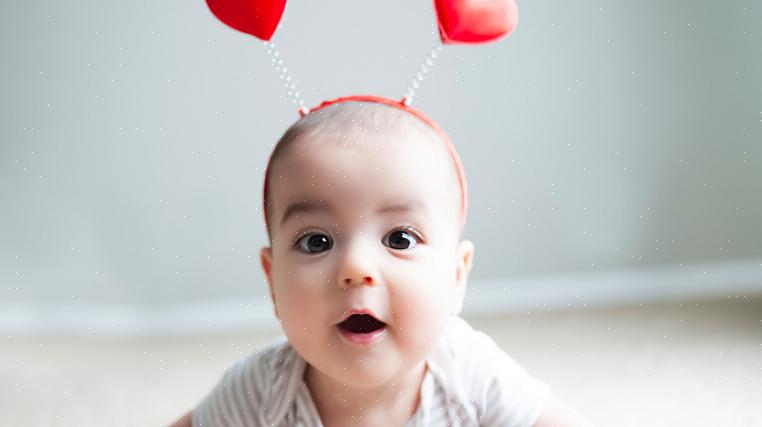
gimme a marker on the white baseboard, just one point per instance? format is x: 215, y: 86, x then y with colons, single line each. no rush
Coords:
x: 514, y: 295
x: 662, y: 283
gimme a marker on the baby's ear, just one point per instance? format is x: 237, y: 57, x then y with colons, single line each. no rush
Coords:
x: 465, y: 259
x: 266, y: 259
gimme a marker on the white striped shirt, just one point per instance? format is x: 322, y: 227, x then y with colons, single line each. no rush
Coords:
x: 469, y: 382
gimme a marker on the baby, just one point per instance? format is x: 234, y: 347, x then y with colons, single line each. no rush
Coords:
x: 365, y: 206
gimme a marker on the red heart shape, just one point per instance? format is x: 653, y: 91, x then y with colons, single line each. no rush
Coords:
x: 475, y: 21
x: 258, y: 18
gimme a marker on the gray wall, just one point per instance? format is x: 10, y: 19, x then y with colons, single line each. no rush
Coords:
x: 601, y: 135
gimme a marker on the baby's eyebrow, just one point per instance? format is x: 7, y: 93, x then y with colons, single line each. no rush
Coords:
x: 311, y: 206
x: 402, y: 206
x: 304, y: 206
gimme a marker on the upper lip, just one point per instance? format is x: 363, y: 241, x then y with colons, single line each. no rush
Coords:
x: 360, y: 310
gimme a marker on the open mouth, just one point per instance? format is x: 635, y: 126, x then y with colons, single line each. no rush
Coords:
x: 361, y: 324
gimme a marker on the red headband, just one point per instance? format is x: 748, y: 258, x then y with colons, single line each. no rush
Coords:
x: 402, y: 105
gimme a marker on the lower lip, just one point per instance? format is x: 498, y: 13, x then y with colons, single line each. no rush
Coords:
x: 363, y: 339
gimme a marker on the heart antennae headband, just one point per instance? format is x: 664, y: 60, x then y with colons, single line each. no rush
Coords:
x: 460, y: 22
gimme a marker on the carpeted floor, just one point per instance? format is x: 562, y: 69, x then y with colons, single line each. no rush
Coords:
x: 695, y: 363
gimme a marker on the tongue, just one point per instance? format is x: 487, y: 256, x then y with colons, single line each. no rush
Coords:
x: 361, y: 324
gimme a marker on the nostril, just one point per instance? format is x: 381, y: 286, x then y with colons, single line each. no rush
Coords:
x: 365, y: 280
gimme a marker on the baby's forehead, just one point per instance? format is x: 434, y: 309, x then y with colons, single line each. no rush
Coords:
x: 401, y: 142
x: 362, y: 124
x: 413, y: 161
x: 390, y: 133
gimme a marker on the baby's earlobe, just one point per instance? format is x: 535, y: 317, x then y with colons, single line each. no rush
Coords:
x: 266, y: 260
x: 466, y: 254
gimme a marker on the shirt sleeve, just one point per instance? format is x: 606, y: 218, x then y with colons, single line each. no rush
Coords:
x: 505, y: 394
x: 234, y: 401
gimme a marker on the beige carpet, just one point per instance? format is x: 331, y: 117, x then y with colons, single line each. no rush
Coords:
x: 681, y: 364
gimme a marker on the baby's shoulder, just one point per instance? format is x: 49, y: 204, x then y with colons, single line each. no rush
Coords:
x: 262, y: 368
x: 464, y: 347
x: 250, y: 385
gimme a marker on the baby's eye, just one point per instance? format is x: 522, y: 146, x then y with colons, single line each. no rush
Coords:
x: 313, y: 243
x: 401, y: 239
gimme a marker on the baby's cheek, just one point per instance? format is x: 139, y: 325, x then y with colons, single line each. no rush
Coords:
x: 302, y: 280
x: 301, y: 314
x: 421, y: 307
x: 293, y: 290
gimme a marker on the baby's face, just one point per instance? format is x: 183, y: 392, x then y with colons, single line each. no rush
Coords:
x: 366, y: 227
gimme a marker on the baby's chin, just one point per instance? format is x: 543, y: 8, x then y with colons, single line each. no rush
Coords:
x: 370, y: 374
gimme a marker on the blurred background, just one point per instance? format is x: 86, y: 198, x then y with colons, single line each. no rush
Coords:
x: 614, y: 158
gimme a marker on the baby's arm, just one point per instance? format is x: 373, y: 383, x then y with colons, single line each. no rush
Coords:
x: 184, y: 421
x: 558, y: 413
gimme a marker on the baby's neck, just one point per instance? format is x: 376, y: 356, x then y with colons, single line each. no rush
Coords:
x: 388, y: 405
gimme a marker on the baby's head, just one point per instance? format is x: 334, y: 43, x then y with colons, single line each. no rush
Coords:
x: 364, y: 206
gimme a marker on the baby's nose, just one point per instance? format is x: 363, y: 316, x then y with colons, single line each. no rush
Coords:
x: 357, y: 266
